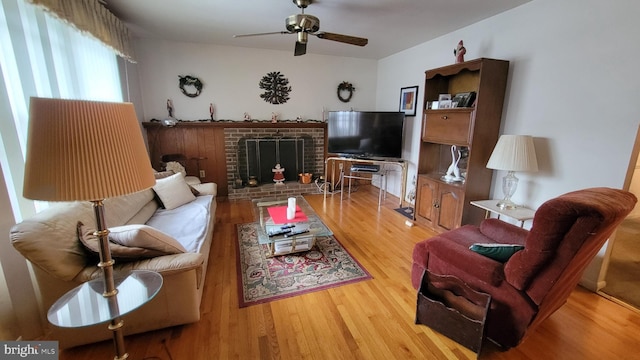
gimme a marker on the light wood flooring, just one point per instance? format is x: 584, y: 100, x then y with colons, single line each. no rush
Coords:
x: 623, y: 274
x: 372, y: 319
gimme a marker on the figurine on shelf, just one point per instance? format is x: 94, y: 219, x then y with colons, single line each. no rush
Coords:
x: 247, y: 117
x: 170, y: 108
x: 459, y: 52
x: 211, y: 111
x: 453, y: 172
x: 274, y: 117
x: 278, y: 176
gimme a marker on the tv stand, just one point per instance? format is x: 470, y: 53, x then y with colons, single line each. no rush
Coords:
x: 400, y: 164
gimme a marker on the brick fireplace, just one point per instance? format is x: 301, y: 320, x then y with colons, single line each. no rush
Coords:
x: 279, y: 141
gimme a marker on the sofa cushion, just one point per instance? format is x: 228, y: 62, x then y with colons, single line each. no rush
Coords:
x: 173, y: 191
x: 187, y: 224
x: 130, y: 242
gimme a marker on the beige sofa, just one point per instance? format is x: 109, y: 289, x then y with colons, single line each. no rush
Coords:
x: 50, y: 241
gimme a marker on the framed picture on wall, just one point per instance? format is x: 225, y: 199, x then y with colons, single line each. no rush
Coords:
x: 409, y: 100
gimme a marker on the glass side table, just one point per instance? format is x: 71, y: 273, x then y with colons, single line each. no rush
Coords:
x: 86, y: 305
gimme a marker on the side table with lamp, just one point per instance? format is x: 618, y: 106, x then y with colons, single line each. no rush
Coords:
x: 512, y: 153
x: 89, y: 151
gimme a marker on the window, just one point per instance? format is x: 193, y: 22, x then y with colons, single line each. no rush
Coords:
x: 42, y: 56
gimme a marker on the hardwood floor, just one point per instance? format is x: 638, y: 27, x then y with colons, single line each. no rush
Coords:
x: 372, y: 319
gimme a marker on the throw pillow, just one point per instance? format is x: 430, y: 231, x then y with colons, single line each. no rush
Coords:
x: 173, y: 191
x: 498, y: 252
x: 130, y: 242
x: 144, y: 236
x: 167, y: 173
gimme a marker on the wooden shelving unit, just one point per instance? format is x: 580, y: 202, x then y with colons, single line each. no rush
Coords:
x: 443, y: 205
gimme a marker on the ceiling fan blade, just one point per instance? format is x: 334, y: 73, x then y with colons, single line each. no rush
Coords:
x: 353, y: 40
x: 301, y: 49
x: 260, y: 34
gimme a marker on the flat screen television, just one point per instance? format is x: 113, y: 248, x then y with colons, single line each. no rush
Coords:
x: 365, y: 134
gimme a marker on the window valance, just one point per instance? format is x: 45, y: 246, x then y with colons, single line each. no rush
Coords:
x: 92, y: 17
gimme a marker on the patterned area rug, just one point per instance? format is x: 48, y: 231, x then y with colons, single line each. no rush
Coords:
x: 263, y: 279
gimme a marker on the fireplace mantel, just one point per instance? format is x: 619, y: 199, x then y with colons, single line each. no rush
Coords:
x: 240, y: 124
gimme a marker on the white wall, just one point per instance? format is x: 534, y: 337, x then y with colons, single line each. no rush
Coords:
x: 572, y: 85
x: 231, y: 76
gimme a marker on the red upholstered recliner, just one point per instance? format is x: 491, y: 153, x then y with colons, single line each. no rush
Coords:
x: 567, y: 233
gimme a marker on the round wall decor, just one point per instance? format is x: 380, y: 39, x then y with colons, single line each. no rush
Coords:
x: 345, y: 87
x: 276, y: 88
x: 190, y: 85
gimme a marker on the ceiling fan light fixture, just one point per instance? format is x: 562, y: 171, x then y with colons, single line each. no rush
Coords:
x: 303, y: 37
x: 302, y: 22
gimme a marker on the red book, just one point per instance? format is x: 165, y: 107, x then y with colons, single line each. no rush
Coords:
x: 279, y: 215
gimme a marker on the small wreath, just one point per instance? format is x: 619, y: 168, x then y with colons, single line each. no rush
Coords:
x: 190, y: 81
x: 345, y: 86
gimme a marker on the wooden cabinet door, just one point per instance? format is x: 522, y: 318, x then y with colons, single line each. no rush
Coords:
x: 426, y: 199
x: 450, y: 200
x: 447, y: 126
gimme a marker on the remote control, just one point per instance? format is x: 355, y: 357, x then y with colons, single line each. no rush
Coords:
x: 294, y: 233
x: 276, y: 233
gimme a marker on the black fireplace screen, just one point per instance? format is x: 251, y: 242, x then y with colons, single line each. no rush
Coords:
x: 258, y: 157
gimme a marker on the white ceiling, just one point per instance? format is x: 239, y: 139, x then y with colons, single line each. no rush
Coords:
x: 390, y: 25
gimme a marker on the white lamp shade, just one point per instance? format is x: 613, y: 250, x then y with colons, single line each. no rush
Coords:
x: 514, y: 153
x: 84, y: 150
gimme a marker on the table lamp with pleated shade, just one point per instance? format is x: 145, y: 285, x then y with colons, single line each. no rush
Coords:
x: 512, y: 153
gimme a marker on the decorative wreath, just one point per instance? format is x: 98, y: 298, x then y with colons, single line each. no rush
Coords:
x: 190, y: 81
x: 345, y: 86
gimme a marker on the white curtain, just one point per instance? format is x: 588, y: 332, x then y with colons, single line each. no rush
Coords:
x: 93, y: 17
x: 44, y: 57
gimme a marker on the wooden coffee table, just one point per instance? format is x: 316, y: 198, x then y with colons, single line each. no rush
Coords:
x: 288, y: 237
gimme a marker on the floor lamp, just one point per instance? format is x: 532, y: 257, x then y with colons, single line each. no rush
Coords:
x: 512, y: 153
x: 89, y: 150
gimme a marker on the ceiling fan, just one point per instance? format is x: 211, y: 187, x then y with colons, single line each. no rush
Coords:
x: 304, y: 25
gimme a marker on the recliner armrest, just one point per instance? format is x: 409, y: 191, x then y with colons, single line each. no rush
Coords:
x: 463, y: 263
x: 502, y: 232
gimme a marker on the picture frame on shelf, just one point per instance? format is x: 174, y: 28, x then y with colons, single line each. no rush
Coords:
x: 445, y: 104
x: 464, y: 99
x: 409, y: 100
x: 444, y: 97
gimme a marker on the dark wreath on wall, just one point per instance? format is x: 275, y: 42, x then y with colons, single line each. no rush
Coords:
x: 276, y: 86
x: 345, y: 87
x: 190, y: 83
